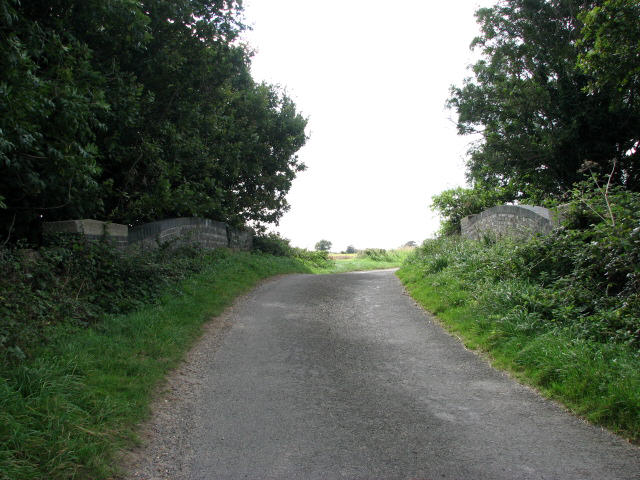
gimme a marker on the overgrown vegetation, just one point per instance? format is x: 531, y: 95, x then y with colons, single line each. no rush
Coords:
x: 274, y: 244
x: 562, y: 311
x: 75, y: 282
x: 88, y: 330
x: 77, y: 373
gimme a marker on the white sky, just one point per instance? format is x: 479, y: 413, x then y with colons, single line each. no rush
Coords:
x: 373, y: 78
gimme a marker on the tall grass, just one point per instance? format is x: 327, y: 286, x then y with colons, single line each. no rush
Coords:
x: 532, y: 323
x: 68, y: 408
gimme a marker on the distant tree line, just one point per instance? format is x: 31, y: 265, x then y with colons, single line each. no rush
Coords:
x: 137, y: 110
x: 555, y: 98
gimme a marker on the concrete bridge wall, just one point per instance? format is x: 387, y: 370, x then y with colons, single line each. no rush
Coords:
x: 509, y: 220
x: 201, y: 231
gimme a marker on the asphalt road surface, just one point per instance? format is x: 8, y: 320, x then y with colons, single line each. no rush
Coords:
x: 343, y: 376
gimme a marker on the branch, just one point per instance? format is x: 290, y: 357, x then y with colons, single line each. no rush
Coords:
x: 13, y: 221
x: 606, y: 194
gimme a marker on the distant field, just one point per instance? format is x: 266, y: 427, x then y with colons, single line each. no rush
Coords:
x: 342, y: 256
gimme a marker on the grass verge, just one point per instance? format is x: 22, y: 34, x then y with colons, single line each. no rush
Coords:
x: 361, y: 264
x: 599, y: 381
x: 65, y: 412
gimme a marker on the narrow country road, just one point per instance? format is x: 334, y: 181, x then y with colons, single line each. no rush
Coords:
x: 343, y: 376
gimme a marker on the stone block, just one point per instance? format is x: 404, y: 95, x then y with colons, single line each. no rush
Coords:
x: 201, y: 231
x: 88, y: 227
x: 513, y: 220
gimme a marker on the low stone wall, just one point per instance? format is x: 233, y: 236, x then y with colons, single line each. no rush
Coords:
x: 91, y: 229
x: 201, y: 231
x: 509, y: 220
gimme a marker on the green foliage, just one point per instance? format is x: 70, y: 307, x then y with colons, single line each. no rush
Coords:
x: 50, y: 111
x: 67, y: 410
x: 585, y: 276
x: 351, y: 249
x: 273, y: 244
x: 318, y: 259
x: 529, y: 100
x: 77, y: 282
x: 456, y: 203
x: 136, y: 111
x: 610, y: 42
x: 593, y: 264
x: 377, y: 254
x: 323, y: 245
x: 563, y: 309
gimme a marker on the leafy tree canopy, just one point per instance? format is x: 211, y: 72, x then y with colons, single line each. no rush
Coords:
x: 611, y: 56
x: 323, y: 246
x: 135, y: 111
x: 531, y: 96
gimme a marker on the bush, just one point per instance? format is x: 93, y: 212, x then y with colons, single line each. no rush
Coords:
x: 273, y: 244
x: 76, y: 282
x: 377, y: 254
x: 584, y: 276
x: 318, y: 258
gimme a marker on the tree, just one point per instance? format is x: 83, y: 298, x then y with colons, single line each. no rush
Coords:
x: 410, y: 244
x: 610, y: 44
x: 350, y: 249
x: 323, y: 246
x: 50, y: 110
x: 210, y: 142
x: 138, y: 110
x: 528, y: 99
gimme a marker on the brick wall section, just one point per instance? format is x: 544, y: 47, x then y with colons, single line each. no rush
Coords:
x: 509, y: 220
x: 201, y: 231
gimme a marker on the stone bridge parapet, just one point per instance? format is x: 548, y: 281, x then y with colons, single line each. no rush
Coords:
x: 509, y: 220
x: 201, y: 231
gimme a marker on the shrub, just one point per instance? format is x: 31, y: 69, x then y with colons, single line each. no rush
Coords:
x: 584, y: 276
x: 318, y: 258
x: 377, y: 254
x: 273, y: 244
x: 76, y: 282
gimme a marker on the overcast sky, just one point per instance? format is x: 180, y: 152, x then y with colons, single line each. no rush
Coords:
x: 373, y: 78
